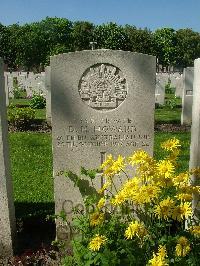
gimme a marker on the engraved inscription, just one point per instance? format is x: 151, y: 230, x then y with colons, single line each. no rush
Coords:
x: 103, y: 87
x: 106, y: 134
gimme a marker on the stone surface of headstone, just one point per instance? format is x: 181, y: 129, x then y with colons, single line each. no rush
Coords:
x: 35, y: 84
x: 102, y: 103
x: 195, y: 131
x: 7, y: 213
x: 6, y: 88
x: 48, y: 93
x: 161, y: 81
x: 177, y: 82
x: 187, y: 98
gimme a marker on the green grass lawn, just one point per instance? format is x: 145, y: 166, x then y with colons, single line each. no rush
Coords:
x: 19, y: 101
x: 168, y: 116
x: 31, y: 168
x: 39, y: 113
x: 184, y: 137
x: 31, y: 164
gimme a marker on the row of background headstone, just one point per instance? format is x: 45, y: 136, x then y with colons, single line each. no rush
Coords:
x: 176, y: 81
x: 29, y: 82
x: 35, y: 83
x: 39, y: 83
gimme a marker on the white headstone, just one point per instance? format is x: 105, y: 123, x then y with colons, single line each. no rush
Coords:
x: 195, y: 130
x: 7, y: 214
x: 6, y: 87
x: 102, y: 103
x: 48, y: 93
x: 161, y: 81
x: 187, y: 98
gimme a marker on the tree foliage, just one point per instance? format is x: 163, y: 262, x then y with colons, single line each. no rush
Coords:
x: 140, y: 40
x: 30, y: 46
x: 165, y: 45
x: 111, y: 36
x: 82, y: 35
x: 188, y: 47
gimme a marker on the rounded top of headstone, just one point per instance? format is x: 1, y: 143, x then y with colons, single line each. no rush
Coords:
x: 103, y: 87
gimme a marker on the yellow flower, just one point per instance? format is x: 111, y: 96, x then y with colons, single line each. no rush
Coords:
x: 183, y: 247
x: 97, y: 242
x: 181, y: 179
x: 184, y: 210
x: 131, y: 184
x: 119, y: 198
x: 129, y: 188
x: 112, y: 167
x: 108, y: 162
x: 165, y: 168
x: 150, y: 192
x: 105, y: 186
x: 138, y: 157
x: 101, y: 203
x: 165, y: 208
x: 159, y: 259
x: 184, y: 196
x: 96, y: 218
x: 136, y: 229
x: 147, y: 170
x: 171, y: 144
x: 195, y: 230
x: 119, y: 164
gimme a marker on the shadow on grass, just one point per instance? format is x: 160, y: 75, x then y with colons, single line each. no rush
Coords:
x: 34, y: 230
x: 25, y: 210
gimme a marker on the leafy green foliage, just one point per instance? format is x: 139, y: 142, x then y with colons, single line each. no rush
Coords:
x: 31, y: 45
x: 165, y: 45
x: 140, y: 40
x: 171, y: 103
x: 17, y: 92
x: 111, y: 36
x: 91, y: 172
x: 169, y: 89
x: 187, y: 48
x: 38, y: 101
x: 82, y: 35
x: 20, y: 118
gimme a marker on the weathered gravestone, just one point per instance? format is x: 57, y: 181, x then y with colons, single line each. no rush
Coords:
x: 177, y: 82
x: 187, y: 98
x: 48, y: 93
x: 102, y: 103
x: 195, y: 130
x: 7, y: 220
x: 161, y: 81
x: 6, y: 87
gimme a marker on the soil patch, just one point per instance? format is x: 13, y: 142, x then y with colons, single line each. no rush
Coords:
x: 172, y: 128
x: 37, y: 125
